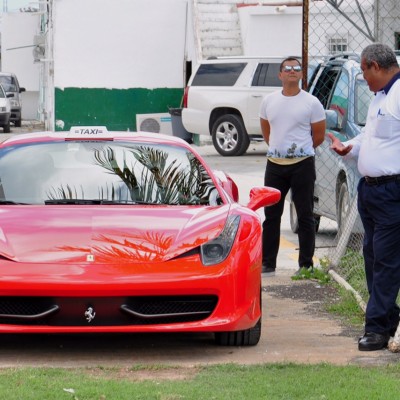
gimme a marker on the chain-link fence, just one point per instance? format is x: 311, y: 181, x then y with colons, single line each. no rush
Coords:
x: 337, y: 31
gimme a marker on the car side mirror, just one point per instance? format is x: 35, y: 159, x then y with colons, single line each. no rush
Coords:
x: 332, y: 120
x: 22, y: 89
x: 263, y: 196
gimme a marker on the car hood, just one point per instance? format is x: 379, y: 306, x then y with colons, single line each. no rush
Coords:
x: 109, y: 234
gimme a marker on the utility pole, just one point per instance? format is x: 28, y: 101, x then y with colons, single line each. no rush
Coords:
x: 304, y: 55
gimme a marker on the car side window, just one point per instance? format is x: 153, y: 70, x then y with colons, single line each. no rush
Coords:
x: 363, y: 97
x: 267, y: 75
x: 218, y: 74
x: 324, y: 85
x: 340, y: 99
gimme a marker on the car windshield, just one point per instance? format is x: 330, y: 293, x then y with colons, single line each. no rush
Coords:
x: 103, y: 172
x: 8, y: 83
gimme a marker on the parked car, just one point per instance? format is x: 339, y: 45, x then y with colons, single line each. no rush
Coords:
x: 13, y: 90
x: 125, y: 232
x: 223, y: 99
x: 342, y: 90
x: 5, y: 111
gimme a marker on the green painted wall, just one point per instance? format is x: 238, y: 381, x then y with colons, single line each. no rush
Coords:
x: 114, y: 108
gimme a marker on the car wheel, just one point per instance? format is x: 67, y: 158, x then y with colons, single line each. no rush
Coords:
x: 248, y: 337
x: 229, y: 136
x: 6, y: 128
x: 343, y: 205
x: 294, y: 223
x: 18, y: 123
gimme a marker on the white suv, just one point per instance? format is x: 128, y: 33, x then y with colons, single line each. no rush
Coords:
x: 223, y: 100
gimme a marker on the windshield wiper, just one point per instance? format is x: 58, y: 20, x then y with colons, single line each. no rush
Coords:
x: 71, y: 201
x: 9, y: 202
x: 128, y: 202
x: 93, y: 201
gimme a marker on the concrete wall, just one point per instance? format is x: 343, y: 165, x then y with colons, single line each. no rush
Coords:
x: 113, y: 60
x: 276, y: 29
x: 271, y: 30
x: 18, y: 31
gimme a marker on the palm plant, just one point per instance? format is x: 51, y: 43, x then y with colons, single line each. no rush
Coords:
x: 159, y: 182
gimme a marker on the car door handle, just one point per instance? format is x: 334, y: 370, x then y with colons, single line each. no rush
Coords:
x: 256, y: 95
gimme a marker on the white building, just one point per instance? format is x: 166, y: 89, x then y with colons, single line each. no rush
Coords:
x: 109, y: 63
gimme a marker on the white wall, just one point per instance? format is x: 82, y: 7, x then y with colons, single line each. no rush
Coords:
x: 119, y: 44
x: 18, y: 30
x: 271, y: 30
x: 325, y: 23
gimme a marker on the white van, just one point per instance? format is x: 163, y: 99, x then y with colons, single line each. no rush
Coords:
x: 5, y: 111
x: 13, y: 91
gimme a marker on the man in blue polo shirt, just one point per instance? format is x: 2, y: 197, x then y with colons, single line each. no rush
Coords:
x: 378, y: 151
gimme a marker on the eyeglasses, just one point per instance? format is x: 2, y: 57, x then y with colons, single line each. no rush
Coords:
x: 288, y: 68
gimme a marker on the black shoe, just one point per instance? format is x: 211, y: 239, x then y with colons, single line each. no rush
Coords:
x: 267, y: 271
x: 372, y: 341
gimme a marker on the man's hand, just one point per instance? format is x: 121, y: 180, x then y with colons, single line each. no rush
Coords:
x: 338, y: 146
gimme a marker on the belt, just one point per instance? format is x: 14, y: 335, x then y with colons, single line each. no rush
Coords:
x: 381, y: 179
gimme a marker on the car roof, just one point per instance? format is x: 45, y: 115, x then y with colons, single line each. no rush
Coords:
x: 94, y: 133
x: 7, y: 74
x: 347, y: 57
x: 235, y: 59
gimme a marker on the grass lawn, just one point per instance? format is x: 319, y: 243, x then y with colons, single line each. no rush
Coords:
x: 277, y: 381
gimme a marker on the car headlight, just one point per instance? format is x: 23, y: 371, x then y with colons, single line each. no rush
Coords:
x: 218, y: 249
x: 3, y: 109
x: 14, y: 103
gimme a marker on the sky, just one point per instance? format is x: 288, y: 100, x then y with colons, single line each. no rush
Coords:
x: 14, y: 5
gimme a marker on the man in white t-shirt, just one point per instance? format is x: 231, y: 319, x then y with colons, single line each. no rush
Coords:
x: 293, y: 125
x: 378, y: 151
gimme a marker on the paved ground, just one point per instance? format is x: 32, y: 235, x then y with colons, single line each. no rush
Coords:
x: 295, y: 326
x: 298, y: 330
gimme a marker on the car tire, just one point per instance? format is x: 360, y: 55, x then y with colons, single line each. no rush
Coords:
x: 6, y: 128
x: 247, y: 337
x: 294, y: 223
x: 229, y: 136
x: 355, y: 240
x: 343, y: 205
x: 18, y: 123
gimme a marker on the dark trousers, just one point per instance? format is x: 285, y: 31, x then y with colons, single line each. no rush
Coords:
x: 379, y: 208
x: 299, y: 178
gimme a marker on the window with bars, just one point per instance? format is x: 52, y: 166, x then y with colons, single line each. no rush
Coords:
x: 337, y: 45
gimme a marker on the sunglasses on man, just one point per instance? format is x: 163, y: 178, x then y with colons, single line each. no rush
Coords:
x: 288, y: 68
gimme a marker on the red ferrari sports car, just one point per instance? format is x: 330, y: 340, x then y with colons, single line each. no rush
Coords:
x: 125, y: 232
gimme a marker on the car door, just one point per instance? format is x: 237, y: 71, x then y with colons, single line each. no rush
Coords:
x: 332, y: 91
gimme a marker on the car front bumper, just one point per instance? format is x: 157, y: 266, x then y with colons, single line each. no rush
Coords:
x: 101, y: 300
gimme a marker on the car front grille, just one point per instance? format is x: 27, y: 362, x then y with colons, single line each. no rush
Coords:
x: 105, y: 311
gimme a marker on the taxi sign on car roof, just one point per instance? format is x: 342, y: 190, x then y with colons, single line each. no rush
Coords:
x: 85, y: 131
